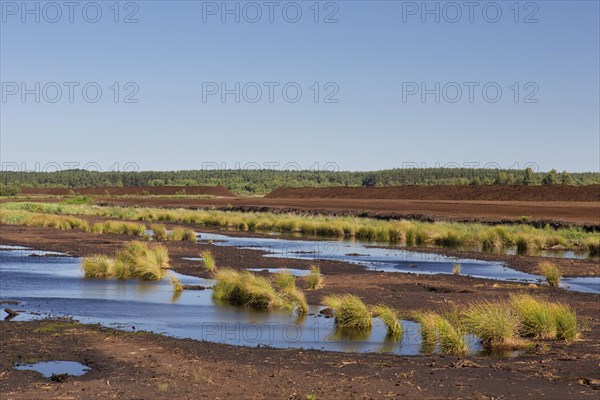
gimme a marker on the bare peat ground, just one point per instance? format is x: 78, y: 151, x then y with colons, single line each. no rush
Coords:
x: 134, y: 366
x: 556, y: 204
x: 556, y: 213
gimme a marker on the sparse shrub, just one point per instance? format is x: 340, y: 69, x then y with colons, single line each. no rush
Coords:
x: 390, y: 319
x: 456, y: 268
x: 551, y: 272
x: 495, y: 323
x: 314, y: 279
x: 209, y: 260
x: 349, y: 311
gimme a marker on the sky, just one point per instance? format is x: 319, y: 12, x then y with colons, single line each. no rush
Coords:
x: 348, y: 85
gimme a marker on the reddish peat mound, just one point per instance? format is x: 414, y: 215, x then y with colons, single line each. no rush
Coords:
x: 446, y: 192
x: 219, y: 191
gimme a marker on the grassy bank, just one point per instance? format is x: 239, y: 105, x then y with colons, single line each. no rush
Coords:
x: 119, y: 227
x: 409, y: 233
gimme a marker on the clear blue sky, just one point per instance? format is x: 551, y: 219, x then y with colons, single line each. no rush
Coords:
x: 369, y: 54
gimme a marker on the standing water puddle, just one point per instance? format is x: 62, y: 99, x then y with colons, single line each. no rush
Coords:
x: 49, y: 368
x: 55, y: 286
x: 393, y: 260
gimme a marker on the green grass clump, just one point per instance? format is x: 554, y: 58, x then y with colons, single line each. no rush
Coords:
x: 446, y: 330
x: 144, y: 262
x: 285, y: 280
x: 566, y: 322
x: 314, y: 280
x: 297, y: 298
x: 428, y: 322
x: 251, y: 290
x: 551, y: 272
x: 177, y: 286
x: 183, y: 234
x: 413, y: 233
x: 136, y: 260
x: 121, y: 270
x: 452, y: 336
x: 160, y: 231
x: 456, y: 268
x: 209, y: 260
x: 390, y: 319
x: 98, y: 266
x: 78, y: 200
x: 497, y: 324
x: 349, y: 311
x: 536, y: 317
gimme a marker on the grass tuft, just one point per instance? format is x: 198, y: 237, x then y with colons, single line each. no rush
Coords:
x: 285, y: 280
x: 209, y: 260
x: 566, y: 322
x: 390, y: 319
x: 160, y: 231
x: 98, y: 266
x: 551, y: 272
x: 349, y: 311
x: 536, y: 317
x: 251, y: 290
x: 497, y: 324
x: 177, y: 286
x: 456, y: 268
x: 314, y: 280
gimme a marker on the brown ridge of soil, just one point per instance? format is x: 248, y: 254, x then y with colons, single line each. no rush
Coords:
x: 220, y: 191
x: 446, y: 192
x: 149, y: 366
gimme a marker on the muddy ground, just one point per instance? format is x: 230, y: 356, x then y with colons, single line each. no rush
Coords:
x: 130, y: 366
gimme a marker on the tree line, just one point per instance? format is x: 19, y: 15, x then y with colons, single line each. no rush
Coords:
x: 262, y: 181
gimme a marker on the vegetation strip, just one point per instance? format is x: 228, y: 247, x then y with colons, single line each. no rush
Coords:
x: 409, y: 233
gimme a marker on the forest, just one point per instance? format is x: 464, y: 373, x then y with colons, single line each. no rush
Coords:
x: 261, y: 181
